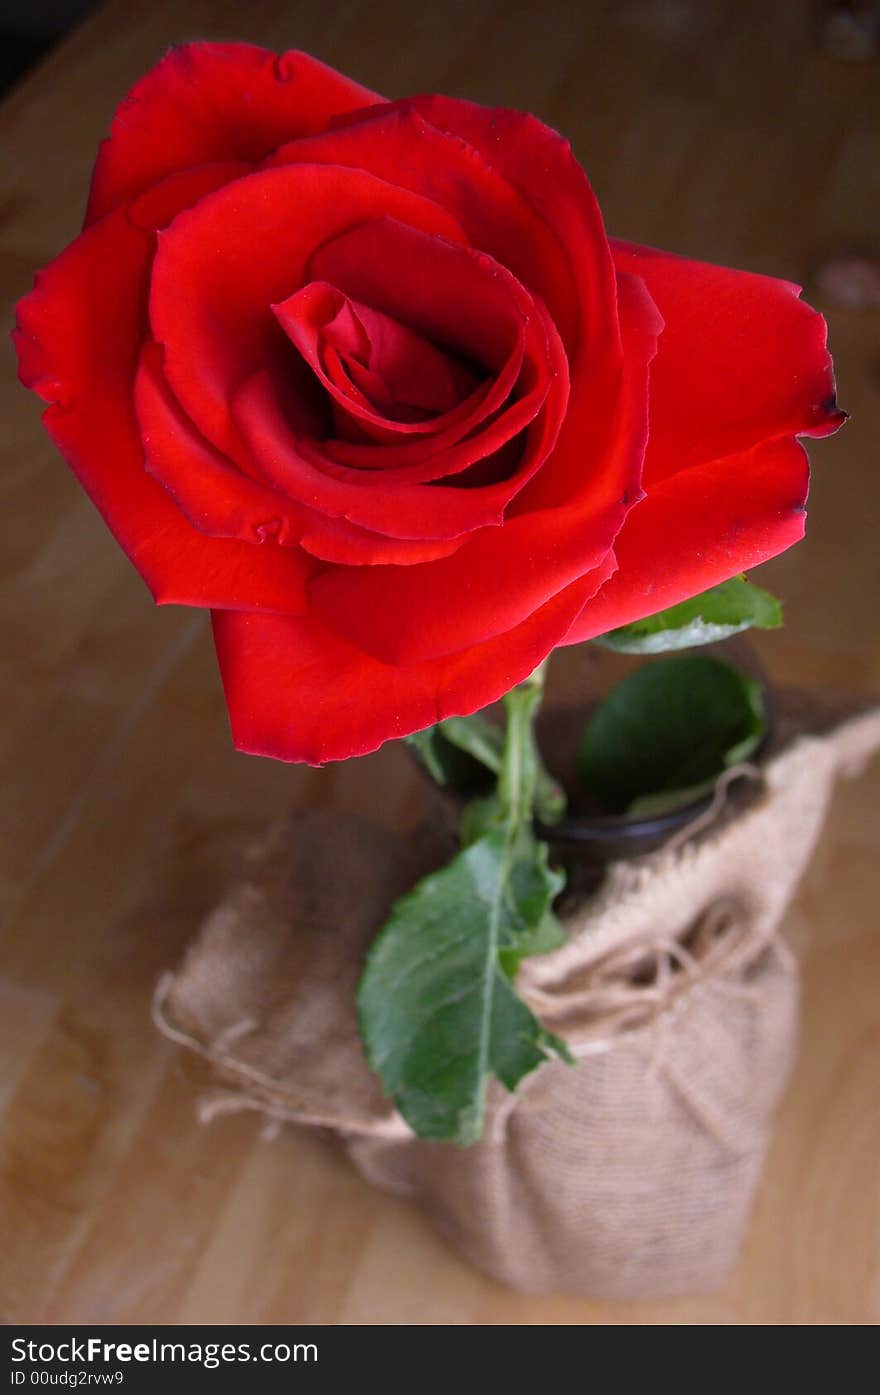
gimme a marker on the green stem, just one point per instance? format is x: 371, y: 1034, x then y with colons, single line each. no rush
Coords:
x: 524, y: 783
x: 517, y: 778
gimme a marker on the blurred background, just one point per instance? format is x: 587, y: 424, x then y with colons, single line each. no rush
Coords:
x: 745, y: 132
x: 29, y: 31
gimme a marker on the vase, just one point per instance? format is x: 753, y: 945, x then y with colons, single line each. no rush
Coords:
x: 629, y: 1174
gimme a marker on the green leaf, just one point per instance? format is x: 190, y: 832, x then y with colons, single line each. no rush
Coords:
x: 547, y: 935
x: 478, y: 817
x: 550, y: 798
x: 664, y: 734
x: 424, y: 747
x: 446, y: 762
x: 437, y: 1010
x: 725, y: 610
x: 649, y: 806
x: 479, y: 738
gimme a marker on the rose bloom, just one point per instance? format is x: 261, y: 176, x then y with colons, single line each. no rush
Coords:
x: 369, y: 380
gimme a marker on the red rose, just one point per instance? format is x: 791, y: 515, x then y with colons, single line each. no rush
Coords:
x: 369, y: 381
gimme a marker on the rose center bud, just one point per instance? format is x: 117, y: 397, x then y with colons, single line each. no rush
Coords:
x: 396, y: 369
x: 378, y: 374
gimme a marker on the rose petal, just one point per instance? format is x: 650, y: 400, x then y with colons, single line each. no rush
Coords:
x: 502, y: 575
x: 698, y: 528
x: 223, y: 329
x: 518, y: 192
x: 411, y: 372
x: 219, y: 500
x: 741, y: 360
x: 370, y: 498
x: 78, y: 340
x: 213, y: 101
x: 396, y: 143
x: 216, y: 497
x: 552, y: 236
x: 538, y: 163
x: 297, y: 692
x: 405, y: 369
x: 454, y: 297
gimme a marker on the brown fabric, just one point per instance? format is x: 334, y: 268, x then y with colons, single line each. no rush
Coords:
x: 630, y: 1175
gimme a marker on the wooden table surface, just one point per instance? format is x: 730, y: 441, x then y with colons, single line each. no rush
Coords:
x: 719, y: 129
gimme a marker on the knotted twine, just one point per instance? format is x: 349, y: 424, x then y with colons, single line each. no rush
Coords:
x: 629, y: 1175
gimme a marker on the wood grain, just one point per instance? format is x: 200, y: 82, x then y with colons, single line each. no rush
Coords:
x: 718, y: 129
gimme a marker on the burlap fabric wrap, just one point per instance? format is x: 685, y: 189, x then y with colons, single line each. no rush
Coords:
x: 629, y: 1175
